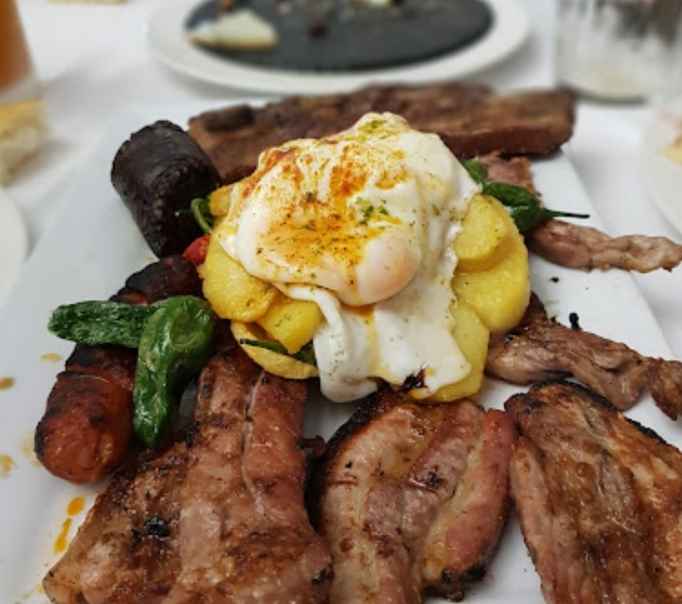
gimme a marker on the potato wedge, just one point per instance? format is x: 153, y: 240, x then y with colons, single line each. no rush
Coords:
x: 231, y: 291
x: 500, y: 294
x: 219, y: 201
x: 485, y: 228
x: 473, y: 338
x: 277, y: 364
x: 292, y: 323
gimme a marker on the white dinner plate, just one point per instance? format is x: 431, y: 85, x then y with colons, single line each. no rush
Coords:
x: 168, y: 41
x: 90, y: 259
x: 13, y: 244
x: 663, y: 176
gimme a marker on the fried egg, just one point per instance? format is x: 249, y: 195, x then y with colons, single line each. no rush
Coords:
x: 363, y: 224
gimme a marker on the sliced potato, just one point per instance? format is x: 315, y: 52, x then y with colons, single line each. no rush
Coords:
x: 473, y: 337
x: 231, y: 291
x: 219, y: 201
x: 293, y: 323
x: 273, y: 362
x: 479, y: 245
x: 500, y: 294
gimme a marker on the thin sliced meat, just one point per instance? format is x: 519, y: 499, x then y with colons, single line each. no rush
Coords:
x: 598, y: 498
x: 216, y: 520
x: 540, y: 349
x: 583, y: 247
x: 412, y: 498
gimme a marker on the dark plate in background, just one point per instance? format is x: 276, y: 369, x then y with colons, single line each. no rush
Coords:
x: 367, y: 38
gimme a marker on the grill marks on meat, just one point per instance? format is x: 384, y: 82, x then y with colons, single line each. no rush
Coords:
x: 598, y: 498
x: 413, y: 498
x: 540, y: 349
x: 87, y: 426
x: 470, y: 118
x: 217, y: 520
x: 577, y: 246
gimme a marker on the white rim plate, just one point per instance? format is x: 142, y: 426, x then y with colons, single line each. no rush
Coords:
x: 169, y: 43
x: 13, y: 244
x: 662, y: 176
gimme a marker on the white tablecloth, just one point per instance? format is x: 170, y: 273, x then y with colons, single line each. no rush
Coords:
x: 94, y: 61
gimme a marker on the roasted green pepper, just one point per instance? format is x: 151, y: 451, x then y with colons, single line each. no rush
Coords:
x: 175, y: 344
x: 96, y: 323
x: 523, y: 206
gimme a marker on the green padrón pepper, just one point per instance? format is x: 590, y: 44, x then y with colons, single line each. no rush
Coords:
x: 523, y: 206
x: 96, y: 323
x: 175, y: 344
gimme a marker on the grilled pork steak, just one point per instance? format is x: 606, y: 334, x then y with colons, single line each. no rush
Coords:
x: 540, y: 349
x: 413, y: 498
x: 470, y: 118
x: 219, y: 519
x: 598, y: 497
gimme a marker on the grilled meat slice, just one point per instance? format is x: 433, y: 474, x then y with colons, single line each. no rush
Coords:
x: 540, y: 349
x: 470, y: 118
x: 579, y: 246
x: 87, y: 426
x: 598, y: 497
x: 218, y: 519
x: 413, y: 498
x: 126, y: 551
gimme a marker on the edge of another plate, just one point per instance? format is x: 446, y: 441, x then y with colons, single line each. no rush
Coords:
x: 662, y: 176
x: 169, y: 43
x: 13, y: 244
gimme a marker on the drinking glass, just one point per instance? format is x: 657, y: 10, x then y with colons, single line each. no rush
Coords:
x: 618, y: 50
x: 17, y: 78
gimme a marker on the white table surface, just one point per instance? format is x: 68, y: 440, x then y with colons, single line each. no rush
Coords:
x: 93, y: 62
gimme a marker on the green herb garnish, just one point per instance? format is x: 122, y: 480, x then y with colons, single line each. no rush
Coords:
x: 523, y: 206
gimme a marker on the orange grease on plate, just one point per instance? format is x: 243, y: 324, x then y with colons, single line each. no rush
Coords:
x: 6, y: 465
x: 51, y: 357
x: 6, y: 383
x: 76, y: 506
x: 62, y: 540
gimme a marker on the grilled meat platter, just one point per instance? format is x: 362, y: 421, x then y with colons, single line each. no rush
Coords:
x: 371, y: 249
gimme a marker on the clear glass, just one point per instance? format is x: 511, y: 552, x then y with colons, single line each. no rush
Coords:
x: 620, y: 50
x: 17, y: 77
